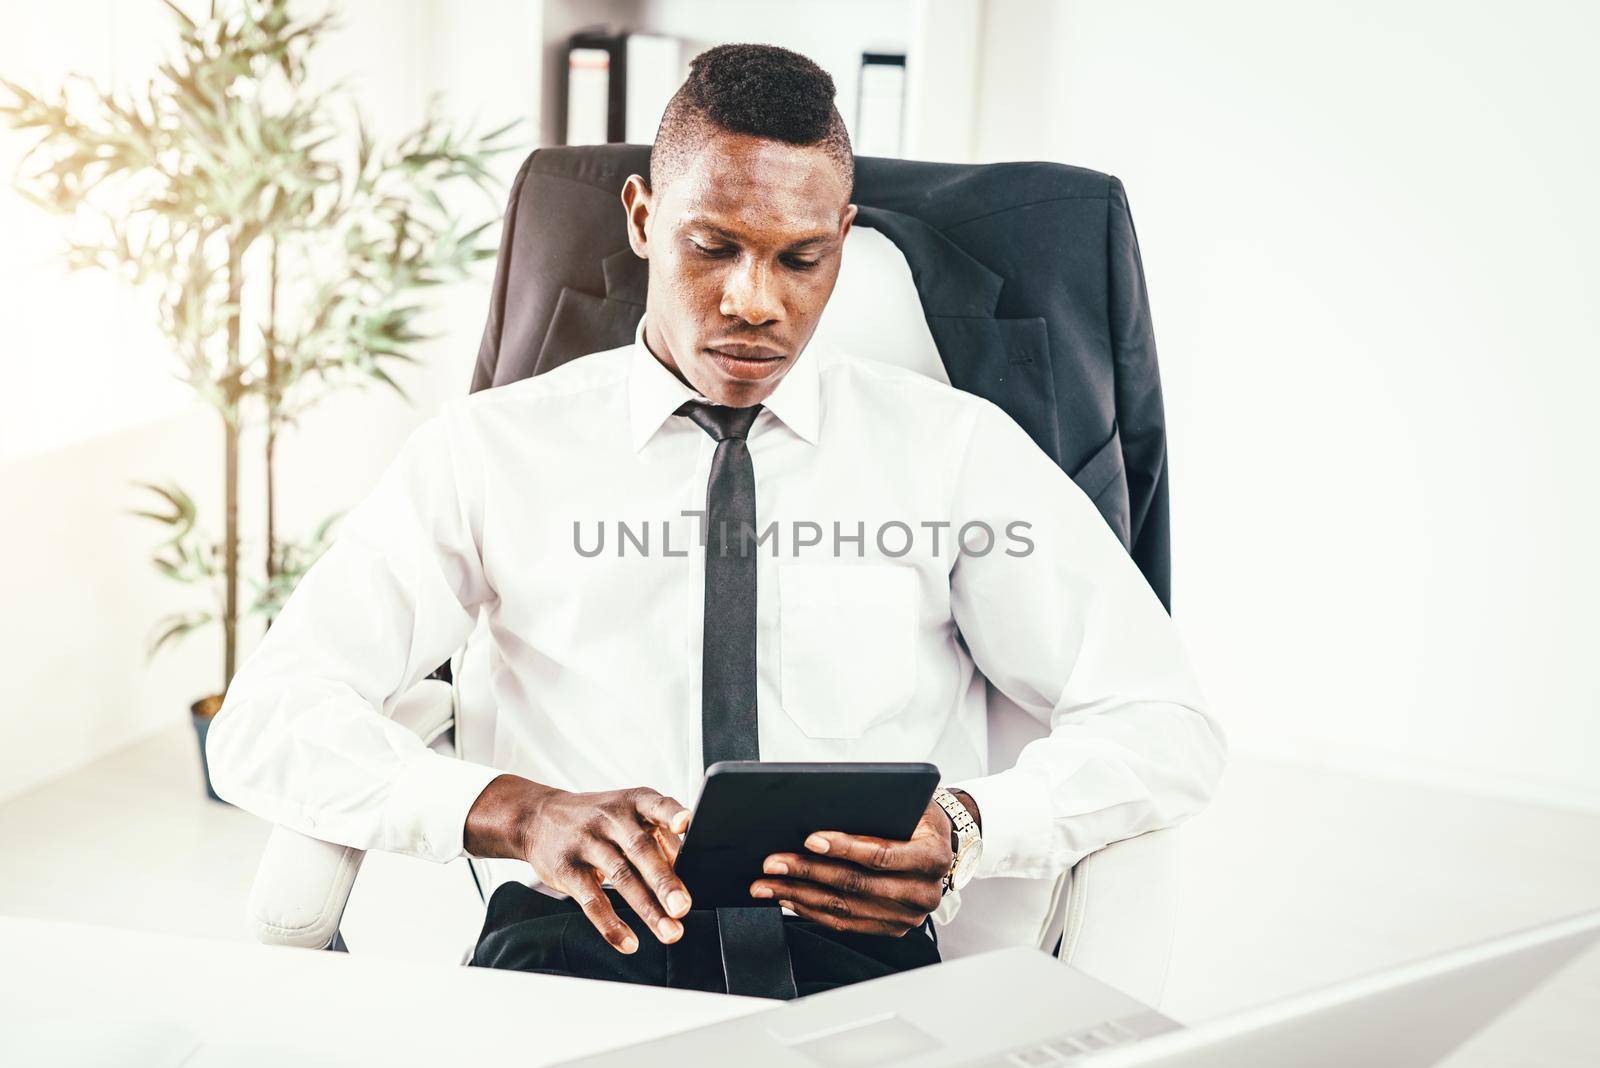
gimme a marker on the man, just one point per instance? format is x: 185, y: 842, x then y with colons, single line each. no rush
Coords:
x: 710, y: 542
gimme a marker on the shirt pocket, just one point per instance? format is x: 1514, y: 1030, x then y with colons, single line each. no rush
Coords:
x: 847, y: 637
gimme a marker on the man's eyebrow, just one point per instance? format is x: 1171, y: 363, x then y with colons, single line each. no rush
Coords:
x: 708, y: 225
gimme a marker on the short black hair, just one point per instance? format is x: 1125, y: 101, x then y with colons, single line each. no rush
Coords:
x: 756, y: 89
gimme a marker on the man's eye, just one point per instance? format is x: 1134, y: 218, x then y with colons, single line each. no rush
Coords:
x: 803, y: 265
x: 718, y: 250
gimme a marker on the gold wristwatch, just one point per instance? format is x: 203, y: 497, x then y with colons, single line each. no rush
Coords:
x: 968, y: 844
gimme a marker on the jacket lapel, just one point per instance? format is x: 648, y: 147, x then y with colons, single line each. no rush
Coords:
x: 627, y: 277
x: 1006, y: 361
x: 949, y: 281
x: 584, y: 323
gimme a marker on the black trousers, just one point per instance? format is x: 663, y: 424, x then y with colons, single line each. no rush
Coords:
x: 528, y: 931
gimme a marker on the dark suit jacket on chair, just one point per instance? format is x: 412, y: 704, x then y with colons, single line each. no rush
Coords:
x: 1029, y: 276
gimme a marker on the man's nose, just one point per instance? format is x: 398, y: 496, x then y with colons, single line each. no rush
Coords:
x: 750, y: 295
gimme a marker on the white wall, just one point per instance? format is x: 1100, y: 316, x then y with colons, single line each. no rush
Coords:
x: 84, y: 366
x: 1373, y: 249
x: 88, y: 406
x: 70, y: 375
x: 943, y: 61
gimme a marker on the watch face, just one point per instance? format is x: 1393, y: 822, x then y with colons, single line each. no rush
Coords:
x: 966, y: 864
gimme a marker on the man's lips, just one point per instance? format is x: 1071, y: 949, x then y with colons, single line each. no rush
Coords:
x: 741, y: 351
x: 749, y: 363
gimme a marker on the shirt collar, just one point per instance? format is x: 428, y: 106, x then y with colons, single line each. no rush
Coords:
x: 655, y: 393
x: 797, y: 402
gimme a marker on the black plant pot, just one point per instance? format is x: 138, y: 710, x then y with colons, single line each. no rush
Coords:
x: 202, y: 712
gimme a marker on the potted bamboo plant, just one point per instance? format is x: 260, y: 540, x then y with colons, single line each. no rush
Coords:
x: 286, y: 250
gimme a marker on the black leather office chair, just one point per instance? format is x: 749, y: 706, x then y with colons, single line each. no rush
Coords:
x: 1031, y: 289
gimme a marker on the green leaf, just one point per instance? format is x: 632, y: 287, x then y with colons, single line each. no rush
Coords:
x: 183, y: 507
x: 167, y: 519
x: 498, y: 130
x: 188, y: 23
x: 175, y: 629
x: 382, y: 376
x: 321, y: 534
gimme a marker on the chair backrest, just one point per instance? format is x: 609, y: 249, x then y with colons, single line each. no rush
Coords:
x: 568, y: 284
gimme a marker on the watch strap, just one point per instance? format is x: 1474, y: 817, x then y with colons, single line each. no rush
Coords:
x: 962, y: 826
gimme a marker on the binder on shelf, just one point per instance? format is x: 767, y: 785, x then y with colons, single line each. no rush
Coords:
x: 880, y: 104
x: 588, y: 95
x: 618, y: 84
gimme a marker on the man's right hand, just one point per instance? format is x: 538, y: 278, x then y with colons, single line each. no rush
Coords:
x: 629, y: 838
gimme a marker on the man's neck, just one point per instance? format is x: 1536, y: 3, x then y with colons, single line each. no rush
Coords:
x: 657, y: 347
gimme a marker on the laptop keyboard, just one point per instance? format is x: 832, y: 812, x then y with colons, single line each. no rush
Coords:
x: 1064, y: 1048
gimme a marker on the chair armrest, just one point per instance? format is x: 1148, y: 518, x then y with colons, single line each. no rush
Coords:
x: 303, y: 883
x: 300, y: 890
x: 1121, y: 914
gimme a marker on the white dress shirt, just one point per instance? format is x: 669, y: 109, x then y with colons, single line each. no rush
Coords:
x: 874, y: 636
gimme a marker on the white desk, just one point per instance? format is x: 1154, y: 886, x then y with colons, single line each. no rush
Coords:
x: 74, y: 994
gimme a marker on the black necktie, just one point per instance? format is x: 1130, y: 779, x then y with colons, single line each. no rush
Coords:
x: 755, y: 954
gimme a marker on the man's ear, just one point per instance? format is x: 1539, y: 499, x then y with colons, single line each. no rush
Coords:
x: 637, y: 203
x: 849, y: 219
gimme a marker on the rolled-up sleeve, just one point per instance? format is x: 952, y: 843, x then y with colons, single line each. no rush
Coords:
x: 304, y: 737
x: 1058, y: 617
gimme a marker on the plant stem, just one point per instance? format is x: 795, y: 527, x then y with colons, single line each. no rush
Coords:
x: 230, y: 537
x: 272, y: 410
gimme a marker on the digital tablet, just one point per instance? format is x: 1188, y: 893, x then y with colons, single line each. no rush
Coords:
x: 750, y: 809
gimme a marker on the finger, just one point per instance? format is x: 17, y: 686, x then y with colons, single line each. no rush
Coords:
x: 641, y: 843
x: 586, y: 891
x: 665, y: 812
x: 840, y: 923
x: 881, y: 854
x: 671, y: 845
x: 833, y: 902
x: 917, y: 890
x: 621, y: 874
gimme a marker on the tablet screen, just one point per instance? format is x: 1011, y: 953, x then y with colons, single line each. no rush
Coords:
x: 748, y: 810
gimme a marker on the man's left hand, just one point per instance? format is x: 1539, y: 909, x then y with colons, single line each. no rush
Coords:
x: 862, y: 884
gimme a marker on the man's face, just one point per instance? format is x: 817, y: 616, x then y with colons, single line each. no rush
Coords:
x: 744, y: 246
